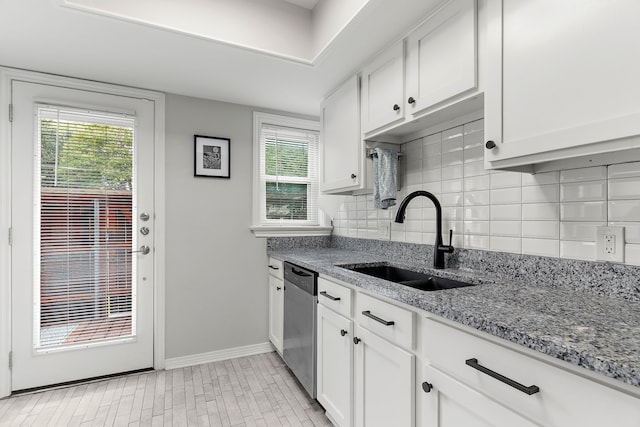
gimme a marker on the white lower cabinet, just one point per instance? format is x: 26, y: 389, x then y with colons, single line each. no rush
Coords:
x: 471, y: 367
x: 335, y: 365
x: 385, y: 382
x: 447, y: 402
x: 276, y: 303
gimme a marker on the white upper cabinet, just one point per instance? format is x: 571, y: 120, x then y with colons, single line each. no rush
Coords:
x: 442, y: 56
x: 383, y: 89
x: 343, y: 157
x: 562, y: 81
x: 426, y: 75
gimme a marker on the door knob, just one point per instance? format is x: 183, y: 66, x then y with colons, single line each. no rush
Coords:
x: 144, y: 249
x: 144, y: 216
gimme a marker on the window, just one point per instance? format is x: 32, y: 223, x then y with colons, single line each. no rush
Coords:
x: 286, y: 182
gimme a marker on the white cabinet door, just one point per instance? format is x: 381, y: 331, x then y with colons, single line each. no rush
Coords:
x: 383, y: 89
x: 449, y: 403
x: 385, y: 382
x: 335, y: 365
x: 562, y: 80
x: 276, y: 312
x: 343, y: 154
x: 442, y: 56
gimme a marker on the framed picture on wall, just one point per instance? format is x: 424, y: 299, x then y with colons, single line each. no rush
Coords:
x: 212, y: 156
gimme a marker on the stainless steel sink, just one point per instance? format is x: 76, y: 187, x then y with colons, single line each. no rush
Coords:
x: 413, y: 279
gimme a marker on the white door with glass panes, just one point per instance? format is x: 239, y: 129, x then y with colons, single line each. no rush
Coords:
x: 82, y: 234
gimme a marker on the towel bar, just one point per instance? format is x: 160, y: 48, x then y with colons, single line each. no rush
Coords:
x: 371, y: 152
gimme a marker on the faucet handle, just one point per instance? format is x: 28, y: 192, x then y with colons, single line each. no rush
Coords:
x: 450, y: 237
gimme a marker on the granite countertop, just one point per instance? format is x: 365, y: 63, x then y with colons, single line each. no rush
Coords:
x: 598, y: 333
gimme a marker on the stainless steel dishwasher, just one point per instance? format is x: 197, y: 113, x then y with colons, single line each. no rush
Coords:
x: 299, y: 347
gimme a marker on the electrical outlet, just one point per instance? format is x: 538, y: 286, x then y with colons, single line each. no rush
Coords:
x: 384, y: 229
x: 610, y: 244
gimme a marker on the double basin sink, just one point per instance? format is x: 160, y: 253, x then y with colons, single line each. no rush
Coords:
x: 412, y: 279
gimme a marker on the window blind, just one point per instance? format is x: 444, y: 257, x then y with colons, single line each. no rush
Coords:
x: 288, y: 175
x: 83, y: 287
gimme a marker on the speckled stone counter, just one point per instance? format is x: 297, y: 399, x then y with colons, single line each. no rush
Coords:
x: 598, y: 333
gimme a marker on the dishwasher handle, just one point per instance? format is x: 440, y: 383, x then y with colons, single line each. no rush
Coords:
x: 300, y: 272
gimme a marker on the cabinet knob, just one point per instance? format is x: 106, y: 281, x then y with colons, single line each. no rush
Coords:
x: 427, y: 387
x: 356, y: 340
x: 278, y: 288
x: 411, y: 100
x: 353, y: 176
x: 343, y: 332
x: 396, y: 107
x: 490, y: 144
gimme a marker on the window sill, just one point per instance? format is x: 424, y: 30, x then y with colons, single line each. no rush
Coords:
x: 290, y: 230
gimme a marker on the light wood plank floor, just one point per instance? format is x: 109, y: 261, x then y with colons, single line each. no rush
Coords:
x: 248, y: 391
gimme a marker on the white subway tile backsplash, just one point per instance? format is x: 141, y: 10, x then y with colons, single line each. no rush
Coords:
x: 451, y: 199
x: 551, y: 214
x: 452, y: 158
x: 477, y: 227
x: 505, y: 244
x: 506, y: 212
x: 541, y: 247
x: 578, y: 250
x: 505, y: 179
x: 583, y: 191
x: 450, y: 213
x: 540, y: 193
x: 541, y: 212
x: 478, y: 213
x: 624, y: 210
x: 452, y: 172
x: 624, y: 188
x: 624, y: 170
x: 474, y: 154
x: 583, y: 174
x: 476, y: 242
x: 540, y: 178
x: 580, y: 231
x: 474, y: 168
x: 480, y: 197
x: 583, y: 211
x: 506, y: 228
x: 432, y: 175
x: 631, y: 230
x: 501, y: 196
x: 452, y: 186
x: 481, y: 182
x: 632, y: 254
x: 540, y: 229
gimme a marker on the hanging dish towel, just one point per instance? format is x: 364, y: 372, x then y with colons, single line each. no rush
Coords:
x: 385, y: 173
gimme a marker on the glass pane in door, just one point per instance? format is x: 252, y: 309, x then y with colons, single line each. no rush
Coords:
x: 84, y: 290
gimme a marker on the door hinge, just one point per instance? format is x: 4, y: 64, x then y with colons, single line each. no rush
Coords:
x: 10, y: 112
x: 10, y: 236
x: 10, y: 359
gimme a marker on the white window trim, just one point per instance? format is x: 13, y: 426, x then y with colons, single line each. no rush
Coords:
x: 271, y: 230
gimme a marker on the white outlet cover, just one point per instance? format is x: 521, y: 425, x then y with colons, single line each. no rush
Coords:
x: 384, y: 230
x: 618, y: 253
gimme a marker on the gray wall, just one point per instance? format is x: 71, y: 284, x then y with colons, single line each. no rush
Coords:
x: 216, y: 286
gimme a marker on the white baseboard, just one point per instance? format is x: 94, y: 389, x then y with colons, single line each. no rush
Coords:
x: 215, y: 356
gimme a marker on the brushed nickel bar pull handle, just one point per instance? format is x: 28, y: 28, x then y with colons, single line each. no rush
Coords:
x: 378, y: 319
x: 532, y: 389
x: 331, y: 297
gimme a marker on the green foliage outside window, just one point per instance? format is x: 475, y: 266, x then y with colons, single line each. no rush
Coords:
x: 88, y: 155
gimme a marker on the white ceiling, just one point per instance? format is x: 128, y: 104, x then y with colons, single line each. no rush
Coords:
x: 307, y: 4
x: 44, y: 36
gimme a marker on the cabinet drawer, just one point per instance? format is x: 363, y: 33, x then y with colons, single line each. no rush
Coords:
x: 387, y: 320
x: 334, y: 296
x: 276, y: 268
x: 564, y: 398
